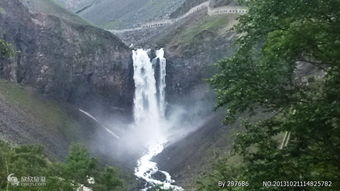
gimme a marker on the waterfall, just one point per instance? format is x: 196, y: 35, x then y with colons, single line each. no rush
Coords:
x: 149, y: 115
x: 145, y: 101
x: 162, y: 82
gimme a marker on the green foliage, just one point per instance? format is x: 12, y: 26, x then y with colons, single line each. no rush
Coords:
x: 51, y: 7
x: 79, y: 166
x: 212, y: 24
x: 108, y: 180
x: 276, y: 37
x: 6, y: 50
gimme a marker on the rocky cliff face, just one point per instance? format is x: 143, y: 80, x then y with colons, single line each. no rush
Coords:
x: 192, y: 47
x: 66, y: 59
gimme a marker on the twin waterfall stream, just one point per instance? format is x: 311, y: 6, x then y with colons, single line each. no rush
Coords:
x: 149, y: 116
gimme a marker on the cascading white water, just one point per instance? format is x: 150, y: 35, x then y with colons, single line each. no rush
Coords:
x: 149, y: 115
x: 162, y: 82
x: 145, y: 101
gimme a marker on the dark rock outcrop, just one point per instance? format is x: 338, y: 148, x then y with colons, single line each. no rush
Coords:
x: 66, y: 60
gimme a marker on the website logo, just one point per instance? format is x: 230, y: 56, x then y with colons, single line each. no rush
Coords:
x: 26, y: 180
x: 13, y: 180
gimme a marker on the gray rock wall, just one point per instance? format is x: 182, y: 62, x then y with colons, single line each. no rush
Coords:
x: 73, y: 62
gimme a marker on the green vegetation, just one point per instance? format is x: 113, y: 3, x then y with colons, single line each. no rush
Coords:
x: 51, y: 8
x: 212, y: 24
x: 46, y: 112
x: 112, y: 24
x: 279, y: 37
x: 2, y: 11
x: 78, y: 168
x: 6, y: 49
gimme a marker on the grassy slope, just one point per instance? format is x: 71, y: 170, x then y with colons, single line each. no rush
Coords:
x: 51, y: 8
x: 215, y: 24
x: 51, y: 115
x: 126, y: 13
x: 45, y: 112
x: 185, y: 33
x: 212, y: 24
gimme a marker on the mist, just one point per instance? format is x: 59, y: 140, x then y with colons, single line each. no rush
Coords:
x: 155, y: 123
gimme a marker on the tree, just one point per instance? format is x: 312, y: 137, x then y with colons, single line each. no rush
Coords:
x: 276, y: 39
x: 78, y: 168
x: 79, y: 165
x: 6, y: 49
x: 108, y: 180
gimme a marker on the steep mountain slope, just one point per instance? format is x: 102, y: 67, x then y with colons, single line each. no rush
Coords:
x: 76, y: 5
x: 194, y: 154
x: 28, y: 118
x: 118, y: 14
x: 122, y: 13
x: 60, y: 65
x: 185, y: 7
x: 64, y: 58
x: 192, y: 47
x: 49, y: 7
